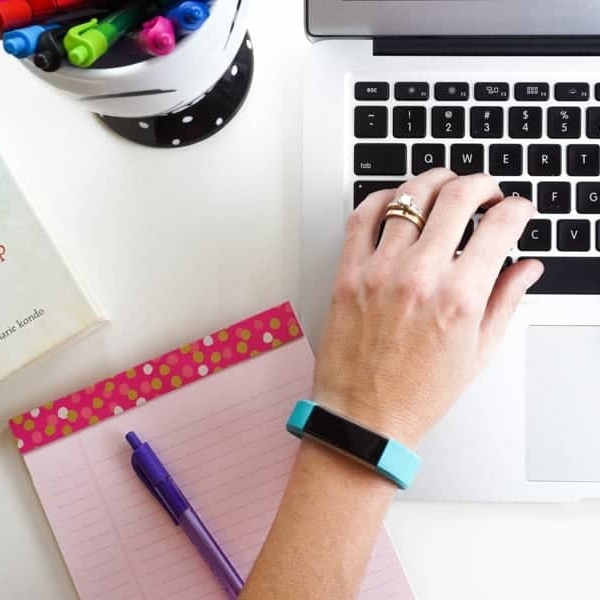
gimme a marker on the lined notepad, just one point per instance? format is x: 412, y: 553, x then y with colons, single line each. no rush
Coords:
x: 220, y: 430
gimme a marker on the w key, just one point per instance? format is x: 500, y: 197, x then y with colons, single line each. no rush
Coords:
x: 466, y: 159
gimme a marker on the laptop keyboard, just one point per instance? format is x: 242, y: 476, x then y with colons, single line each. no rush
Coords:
x: 539, y: 139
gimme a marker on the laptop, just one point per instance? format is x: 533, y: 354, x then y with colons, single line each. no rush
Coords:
x: 513, y: 89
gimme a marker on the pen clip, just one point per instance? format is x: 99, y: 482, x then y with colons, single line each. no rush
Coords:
x: 77, y: 30
x: 140, y: 473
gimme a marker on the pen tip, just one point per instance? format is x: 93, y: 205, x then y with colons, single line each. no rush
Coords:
x: 134, y: 440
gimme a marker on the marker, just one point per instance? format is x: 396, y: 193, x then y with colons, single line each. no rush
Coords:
x: 22, y: 43
x: 86, y: 43
x: 188, y: 16
x: 157, y: 37
x: 50, y: 53
x: 21, y: 13
x: 155, y: 477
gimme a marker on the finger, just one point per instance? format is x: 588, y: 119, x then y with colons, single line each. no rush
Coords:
x: 506, y: 296
x: 497, y: 233
x: 457, y: 202
x: 400, y: 233
x: 362, y: 227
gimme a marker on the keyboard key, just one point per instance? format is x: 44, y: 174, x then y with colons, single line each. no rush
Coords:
x: 466, y: 235
x: 588, y: 197
x: 532, y: 91
x: 427, y: 156
x: 370, y: 122
x: 597, y: 235
x: 517, y: 188
x: 506, y: 159
x: 411, y: 91
x: 466, y: 159
x: 574, y: 92
x: 410, y: 122
x: 564, y: 122
x: 568, y: 275
x: 380, y: 159
x: 451, y: 91
x: 583, y: 160
x: 544, y: 160
x: 487, y: 122
x: 573, y: 236
x: 363, y: 188
x: 554, y: 197
x: 448, y: 122
x: 593, y: 123
x: 525, y: 122
x: 537, y: 236
x: 376, y: 90
x: 491, y: 91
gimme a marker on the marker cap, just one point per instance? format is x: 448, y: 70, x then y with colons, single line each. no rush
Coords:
x: 85, y: 44
x: 157, y: 37
x: 14, y: 13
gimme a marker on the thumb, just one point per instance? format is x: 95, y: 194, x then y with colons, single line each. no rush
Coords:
x: 511, y: 286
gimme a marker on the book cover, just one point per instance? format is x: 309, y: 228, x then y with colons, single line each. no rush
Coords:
x: 41, y: 304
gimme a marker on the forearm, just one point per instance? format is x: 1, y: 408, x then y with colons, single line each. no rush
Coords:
x: 325, y: 530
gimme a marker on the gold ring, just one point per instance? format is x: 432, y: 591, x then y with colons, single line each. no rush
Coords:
x: 403, y: 214
x: 407, y: 202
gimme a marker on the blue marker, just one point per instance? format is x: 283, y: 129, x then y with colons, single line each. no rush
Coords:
x: 22, y: 43
x: 188, y: 16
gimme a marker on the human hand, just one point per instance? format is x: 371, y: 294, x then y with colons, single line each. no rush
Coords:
x: 411, y: 323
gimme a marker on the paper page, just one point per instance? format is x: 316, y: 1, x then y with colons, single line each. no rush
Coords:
x: 224, y: 441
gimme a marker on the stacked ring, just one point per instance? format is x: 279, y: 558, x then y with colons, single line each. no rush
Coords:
x: 405, y: 208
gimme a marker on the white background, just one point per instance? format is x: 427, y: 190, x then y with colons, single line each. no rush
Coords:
x: 176, y: 243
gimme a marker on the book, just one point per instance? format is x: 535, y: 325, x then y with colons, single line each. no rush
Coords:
x: 43, y: 306
x: 215, y: 411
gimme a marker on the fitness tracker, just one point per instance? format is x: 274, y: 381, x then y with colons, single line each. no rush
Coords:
x: 388, y: 457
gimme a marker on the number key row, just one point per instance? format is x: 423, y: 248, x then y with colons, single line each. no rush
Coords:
x: 485, y: 122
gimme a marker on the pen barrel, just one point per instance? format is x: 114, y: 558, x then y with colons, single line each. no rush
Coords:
x: 211, y: 553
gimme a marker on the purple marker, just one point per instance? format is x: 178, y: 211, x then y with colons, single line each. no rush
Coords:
x: 160, y: 484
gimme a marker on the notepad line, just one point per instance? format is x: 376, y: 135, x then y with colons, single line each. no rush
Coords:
x: 109, y: 515
x: 204, y: 418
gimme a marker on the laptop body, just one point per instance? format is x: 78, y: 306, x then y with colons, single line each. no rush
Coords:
x: 512, y: 88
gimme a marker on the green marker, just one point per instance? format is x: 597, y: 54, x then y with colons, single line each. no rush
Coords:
x: 87, y: 42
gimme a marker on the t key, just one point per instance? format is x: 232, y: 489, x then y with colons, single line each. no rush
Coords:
x: 583, y: 160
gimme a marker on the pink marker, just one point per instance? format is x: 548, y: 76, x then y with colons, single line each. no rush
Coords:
x: 157, y: 37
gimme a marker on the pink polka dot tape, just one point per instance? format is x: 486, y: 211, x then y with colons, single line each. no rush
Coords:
x: 149, y: 380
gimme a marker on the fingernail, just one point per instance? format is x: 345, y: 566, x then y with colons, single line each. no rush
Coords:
x: 533, y: 274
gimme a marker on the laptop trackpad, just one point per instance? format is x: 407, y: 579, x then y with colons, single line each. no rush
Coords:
x: 563, y: 404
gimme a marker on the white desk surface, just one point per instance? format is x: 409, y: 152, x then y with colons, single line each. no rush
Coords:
x: 178, y: 242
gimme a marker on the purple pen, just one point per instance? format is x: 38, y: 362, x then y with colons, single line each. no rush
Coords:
x: 160, y: 484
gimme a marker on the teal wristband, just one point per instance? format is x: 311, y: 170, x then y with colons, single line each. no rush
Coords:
x: 389, y: 458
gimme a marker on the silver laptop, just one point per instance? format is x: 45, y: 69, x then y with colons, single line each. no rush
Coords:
x: 395, y: 87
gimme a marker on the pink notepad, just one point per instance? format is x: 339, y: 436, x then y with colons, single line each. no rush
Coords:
x: 215, y: 412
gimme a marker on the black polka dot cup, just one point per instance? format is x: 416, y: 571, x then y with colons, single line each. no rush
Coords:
x: 173, y: 100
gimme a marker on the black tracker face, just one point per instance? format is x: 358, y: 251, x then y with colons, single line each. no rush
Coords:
x: 348, y: 437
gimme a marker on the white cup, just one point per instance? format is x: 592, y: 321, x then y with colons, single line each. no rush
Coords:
x: 163, y: 84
